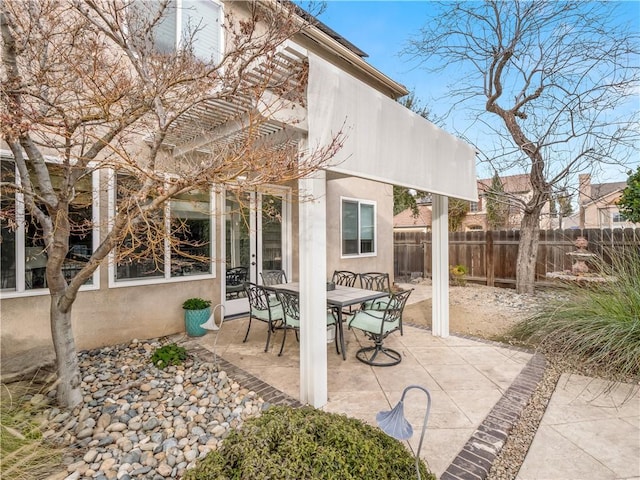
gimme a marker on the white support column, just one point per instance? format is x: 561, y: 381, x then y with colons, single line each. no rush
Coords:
x: 313, y: 289
x: 440, y: 266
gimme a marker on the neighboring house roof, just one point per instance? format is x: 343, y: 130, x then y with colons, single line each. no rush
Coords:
x: 511, y: 183
x: 514, y: 184
x: 601, y: 190
x: 405, y: 219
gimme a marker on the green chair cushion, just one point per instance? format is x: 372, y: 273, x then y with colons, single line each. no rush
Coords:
x: 263, y: 314
x: 371, y: 320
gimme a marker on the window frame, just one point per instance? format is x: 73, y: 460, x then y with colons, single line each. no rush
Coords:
x: 166, y: 276
x: 179, y: 25
x: 360, y: 202
x: 616, y: 217
x: 20, y: 234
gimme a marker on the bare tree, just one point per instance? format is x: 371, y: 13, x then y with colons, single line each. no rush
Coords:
x: 90, y: 83
x: 556, y: 82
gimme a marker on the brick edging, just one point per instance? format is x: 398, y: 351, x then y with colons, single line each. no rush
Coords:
x: 477, y: 456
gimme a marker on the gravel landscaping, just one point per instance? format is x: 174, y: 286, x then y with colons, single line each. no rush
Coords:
x: 137, y: 421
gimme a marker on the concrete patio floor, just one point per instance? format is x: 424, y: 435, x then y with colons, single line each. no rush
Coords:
x: 589, y: 430
x: 467, y: 379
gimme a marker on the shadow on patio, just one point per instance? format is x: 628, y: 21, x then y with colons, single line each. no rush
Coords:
x: 469, y: 380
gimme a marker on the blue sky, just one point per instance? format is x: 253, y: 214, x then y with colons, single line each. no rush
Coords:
x: 382, y: 29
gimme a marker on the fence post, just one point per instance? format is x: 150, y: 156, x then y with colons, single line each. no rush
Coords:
x: 489, y: 259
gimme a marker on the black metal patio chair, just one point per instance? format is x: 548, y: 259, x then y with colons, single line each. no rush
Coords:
x: 290, y: 303
x: 378, y: 325
x: 262, y: 307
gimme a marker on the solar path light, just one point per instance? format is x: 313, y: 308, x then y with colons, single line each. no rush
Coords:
x: 396, y: 425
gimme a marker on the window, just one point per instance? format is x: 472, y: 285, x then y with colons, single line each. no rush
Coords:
x: 22, y: 244
x: 473, y: 206
x: 199, y: 20
x: 617, y: 217
x: 358, y: 227
x: 173, y: 242
x: 141, y: 253
x: 191, y: 227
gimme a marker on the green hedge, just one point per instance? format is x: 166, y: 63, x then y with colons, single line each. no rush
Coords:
x: 305, y: 443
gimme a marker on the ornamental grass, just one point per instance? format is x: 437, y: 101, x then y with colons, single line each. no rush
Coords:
x: 597, y: 323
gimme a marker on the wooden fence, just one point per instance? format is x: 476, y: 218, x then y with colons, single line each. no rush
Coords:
x: 491, y: 256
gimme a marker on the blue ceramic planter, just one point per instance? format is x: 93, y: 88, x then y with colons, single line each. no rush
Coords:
x: 193, y: 319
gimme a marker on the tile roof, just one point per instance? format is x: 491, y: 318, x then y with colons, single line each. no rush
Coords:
x: 405, y: 219
x: 599, y: 190
x: 512, y: 183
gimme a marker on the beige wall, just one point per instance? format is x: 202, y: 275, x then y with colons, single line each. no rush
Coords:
x: 342, y: 186
x: 599, y: 214
x: 103, y: 317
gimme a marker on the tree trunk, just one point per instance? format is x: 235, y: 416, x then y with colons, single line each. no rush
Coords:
x: 68, y: 389
x: 528, y: 251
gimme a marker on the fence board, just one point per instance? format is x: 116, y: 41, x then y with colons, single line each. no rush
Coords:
x: 491, y: 257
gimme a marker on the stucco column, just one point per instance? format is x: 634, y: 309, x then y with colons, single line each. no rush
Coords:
x: 313, y: 289
x: 440, y: 266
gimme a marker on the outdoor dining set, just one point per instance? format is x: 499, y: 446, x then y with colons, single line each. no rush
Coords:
x: 364, y: 301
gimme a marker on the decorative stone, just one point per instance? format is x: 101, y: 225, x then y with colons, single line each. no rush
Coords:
x: 140, y: 422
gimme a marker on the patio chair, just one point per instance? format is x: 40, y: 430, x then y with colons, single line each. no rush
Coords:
x: 379, y: 282
x: 344, y: 277
x: 234, y: 280
x: 377, y: 325
x: 273, y: 277
x: 262, y: 308
x: 290, y: 302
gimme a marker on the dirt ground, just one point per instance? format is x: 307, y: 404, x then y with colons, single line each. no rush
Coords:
x: 477, y: 310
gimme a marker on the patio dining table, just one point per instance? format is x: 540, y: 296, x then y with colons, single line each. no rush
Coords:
x: 338, y: 298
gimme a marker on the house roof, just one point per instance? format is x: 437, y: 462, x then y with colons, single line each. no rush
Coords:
x: 405, y: 219
x: 329, y: 39
x: 326, y: 29
x: 599, y: 190
x: 512, y: 183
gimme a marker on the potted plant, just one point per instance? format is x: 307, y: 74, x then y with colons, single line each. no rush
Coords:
x: 196, y: 312
x: 458, y: 274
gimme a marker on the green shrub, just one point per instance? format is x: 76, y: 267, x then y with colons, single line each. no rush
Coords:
x: 196, y: 304
x: 170, y: 354
x: 596, y: 324
x: 305, y: 443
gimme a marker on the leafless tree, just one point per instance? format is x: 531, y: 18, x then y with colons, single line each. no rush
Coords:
x: 88, y: 83
x: 555, y: 82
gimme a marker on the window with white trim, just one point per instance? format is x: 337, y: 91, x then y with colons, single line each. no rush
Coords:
x: 617, y: 217
x: 358, y: 227
x: 22, y: 248
x: 176, y: 241
x: 195, y: 22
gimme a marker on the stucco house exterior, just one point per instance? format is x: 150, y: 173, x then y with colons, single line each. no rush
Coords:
x: 344, y: 221
x: 518, y: 187
x: 598, y: 204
